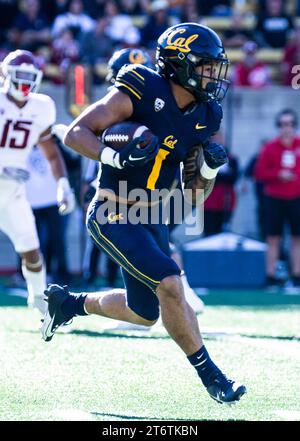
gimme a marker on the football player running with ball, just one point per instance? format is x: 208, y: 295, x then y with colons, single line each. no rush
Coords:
x: 180, y: 101
x: 26, y: 118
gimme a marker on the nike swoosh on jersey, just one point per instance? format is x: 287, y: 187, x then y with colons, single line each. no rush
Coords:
x: 136, y: 159
x: 197, y: 126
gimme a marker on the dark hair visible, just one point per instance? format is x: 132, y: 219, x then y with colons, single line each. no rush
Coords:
x: 287, y: 111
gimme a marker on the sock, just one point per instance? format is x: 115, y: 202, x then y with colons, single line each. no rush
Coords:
x: 205, y: 367
x: 36, y: 282
x: 74, y: 305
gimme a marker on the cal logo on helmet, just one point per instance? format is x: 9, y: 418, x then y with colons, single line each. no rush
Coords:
x: 180, y: 43
x: 137, y: 57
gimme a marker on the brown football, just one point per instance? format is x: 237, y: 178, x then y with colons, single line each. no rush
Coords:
x: 119, y: 135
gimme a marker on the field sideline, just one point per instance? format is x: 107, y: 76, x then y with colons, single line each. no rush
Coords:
x: 91, y: 373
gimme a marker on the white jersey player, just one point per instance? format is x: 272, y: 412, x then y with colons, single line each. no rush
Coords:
x: 26, y: 118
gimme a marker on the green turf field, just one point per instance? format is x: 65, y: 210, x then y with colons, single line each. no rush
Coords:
x: 94, y: 374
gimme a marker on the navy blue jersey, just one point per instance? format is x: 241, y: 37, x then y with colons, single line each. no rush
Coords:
x: 178, y: 130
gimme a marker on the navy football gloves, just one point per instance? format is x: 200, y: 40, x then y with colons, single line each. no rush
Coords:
x: 134, y: 156
x: 214, y: 154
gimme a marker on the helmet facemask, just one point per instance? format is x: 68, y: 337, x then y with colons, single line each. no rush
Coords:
x: 22, y: 80
x: 213, y: 70
x: 189, y: 71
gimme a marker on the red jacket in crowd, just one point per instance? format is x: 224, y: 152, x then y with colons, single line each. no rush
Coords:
x: 255, y: 76
x: 223, y: 196
x: 273, y: 158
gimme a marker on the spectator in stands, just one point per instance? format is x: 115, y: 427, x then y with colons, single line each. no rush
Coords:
x: 274, y: 26
x: 10, y: 42
x: 65, y: 50
x: 278, y: 167
x: 215, y: 7
x: 251, y: 72
x: 219, y: 206
x: 8, y: 13
x: 53, y: 8
x: 118, y: 24
x: 96, y: 47
x: 291, y: 57
x: 156, y: 24
x: 31, y: 28
x: 51, y: 225
x: 75, y: 19
x: 95, y: 8
x: 236, y: 36
x: 189, y: 12
x: 249, y: 173
x: 130, y: 7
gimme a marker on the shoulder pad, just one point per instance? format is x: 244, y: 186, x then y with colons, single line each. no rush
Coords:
x: 132, y: 79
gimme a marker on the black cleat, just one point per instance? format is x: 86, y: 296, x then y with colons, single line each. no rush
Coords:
x: 54, y: 317
x: 225, y: 391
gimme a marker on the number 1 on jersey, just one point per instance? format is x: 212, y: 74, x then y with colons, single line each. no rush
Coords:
x: 153, y: 177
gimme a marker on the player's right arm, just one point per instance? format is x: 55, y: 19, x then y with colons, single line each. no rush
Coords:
x: 200, y: 169
x: 82, y: 135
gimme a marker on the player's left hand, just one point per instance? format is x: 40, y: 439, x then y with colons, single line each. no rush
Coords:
x: 65, y: 197
x: 214, y: 154
x: 133, y: 155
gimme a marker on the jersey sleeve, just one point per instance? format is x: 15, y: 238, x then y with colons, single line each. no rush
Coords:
x: 132, y: 80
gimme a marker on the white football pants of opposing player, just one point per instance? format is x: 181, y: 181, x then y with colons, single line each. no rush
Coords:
x: 18, y: 223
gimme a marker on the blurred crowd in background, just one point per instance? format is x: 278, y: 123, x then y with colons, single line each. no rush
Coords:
x: 261, y: 36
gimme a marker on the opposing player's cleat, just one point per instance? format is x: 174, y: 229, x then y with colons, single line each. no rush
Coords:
x: 54, y: 317
x: 225, y: 391
x: 38, y: 303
